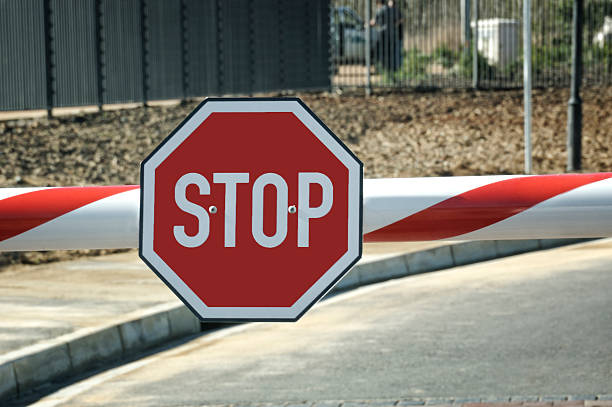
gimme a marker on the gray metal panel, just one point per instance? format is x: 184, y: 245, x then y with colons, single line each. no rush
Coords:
x: 294, y: 43
x: 235, y: 53
x: 319, y: 45
x: 121, y: 47
x: 74, y: 44
x: 201, y: 37
x: 164, y: 49
x: 266, y: 46
x: 22, y: 55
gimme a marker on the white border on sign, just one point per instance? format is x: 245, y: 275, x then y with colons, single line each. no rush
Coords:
x: 250, y: 313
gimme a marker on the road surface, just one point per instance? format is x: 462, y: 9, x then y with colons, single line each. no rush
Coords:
x: 535, y: 325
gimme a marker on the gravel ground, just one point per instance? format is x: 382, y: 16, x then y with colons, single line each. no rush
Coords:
x: 395, y: 135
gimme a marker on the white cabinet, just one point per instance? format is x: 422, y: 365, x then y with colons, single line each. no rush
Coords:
x: 498, y: 40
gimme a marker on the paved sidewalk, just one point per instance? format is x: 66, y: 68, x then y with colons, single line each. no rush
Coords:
x: 70, y: 317
x: 47, y: 301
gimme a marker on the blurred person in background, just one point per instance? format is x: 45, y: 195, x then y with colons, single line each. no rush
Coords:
x: 389, y: 22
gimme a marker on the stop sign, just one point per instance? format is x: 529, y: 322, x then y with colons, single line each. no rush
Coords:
x: 251, y: 209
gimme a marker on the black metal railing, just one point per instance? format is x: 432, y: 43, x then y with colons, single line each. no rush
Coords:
x: 436, y: 43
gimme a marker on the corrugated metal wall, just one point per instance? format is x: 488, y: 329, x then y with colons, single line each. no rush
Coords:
x: 121, y: 51
x: 266, y: 43
x: 22, y: 55
x: 163, y: 46
x: 202, y: 62
x: 236, y: 52
x: 56, y: 53
x: 319, y: 33
x: 294, y: 39
x: 73, y: 23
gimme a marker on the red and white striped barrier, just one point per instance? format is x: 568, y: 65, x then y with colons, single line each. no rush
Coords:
x: 69, y: 218
x: 488, y: 208
x: 400, y: 209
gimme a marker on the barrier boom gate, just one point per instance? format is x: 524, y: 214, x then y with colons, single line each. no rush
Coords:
x: 394, y: 210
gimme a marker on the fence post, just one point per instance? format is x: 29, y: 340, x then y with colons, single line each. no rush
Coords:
x: 368, y: 47
x: 252, y: 62
x: 49, y: 63
x: 281, y: 45
x: 574, y: 110
x: 220, y: 57
x: 307, y: 50
x: 527, y: 81
x: 184, y: 49
x: 143, y: 52
x: 99, y: 53
x: 475, y: 75
x: 466, y: 33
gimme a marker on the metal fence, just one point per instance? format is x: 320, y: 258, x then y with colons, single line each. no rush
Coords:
x: 430, y: 43
x: 56, y: 53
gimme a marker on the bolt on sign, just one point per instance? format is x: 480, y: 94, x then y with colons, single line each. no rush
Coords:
x: 251, y: 209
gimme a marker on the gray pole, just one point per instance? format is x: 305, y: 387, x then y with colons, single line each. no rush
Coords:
x: 465, y: 26
x: 475, y: 46
x: 368, y: 47
x: 99, y: 53
x: 527, y: 81
x: 49, y: 57
x: 574, y: 110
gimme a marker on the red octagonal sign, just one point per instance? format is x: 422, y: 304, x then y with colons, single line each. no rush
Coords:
x: 251, y: 209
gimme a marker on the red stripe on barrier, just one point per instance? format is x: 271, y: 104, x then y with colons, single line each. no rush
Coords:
x: 480, y: 207
x: 23, y: 212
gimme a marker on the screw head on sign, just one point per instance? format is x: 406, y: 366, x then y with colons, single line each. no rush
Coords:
x: 291, y: 209
x: 212, y: 209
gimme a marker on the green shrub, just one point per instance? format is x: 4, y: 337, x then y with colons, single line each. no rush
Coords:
x: 466, y: 67
x: 545, y: 57
x: 445, y: 56
x: 415, y: 64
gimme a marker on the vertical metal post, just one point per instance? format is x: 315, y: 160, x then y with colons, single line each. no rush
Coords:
x: 49, y: 62
x: 252, y: 63
x: 466, y: 30
x: 184, y: 50
x: 475, y: 75
x: 527, y: 81
x: 281, y: 45
x: 99, y: 53
x: 368, y: 47
x: 574, y: 111
x: 307, y: 50
x: 143, y: 53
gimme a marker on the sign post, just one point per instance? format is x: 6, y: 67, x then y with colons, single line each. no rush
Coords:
x: 251, y: 210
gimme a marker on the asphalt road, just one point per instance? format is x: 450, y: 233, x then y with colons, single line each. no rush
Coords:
x: 535, y: 324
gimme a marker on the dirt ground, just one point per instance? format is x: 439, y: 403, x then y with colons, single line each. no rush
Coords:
x: 394, y: 134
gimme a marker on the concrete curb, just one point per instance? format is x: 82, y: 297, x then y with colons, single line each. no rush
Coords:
x: 23, y: 370
x: 442, y: 257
